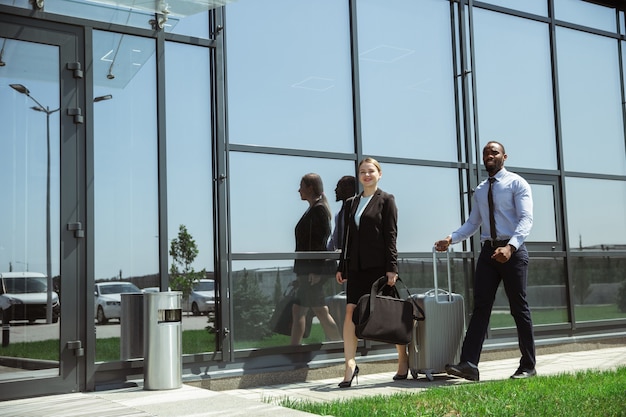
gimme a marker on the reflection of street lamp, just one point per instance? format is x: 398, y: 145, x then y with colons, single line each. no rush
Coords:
x: 102, y: 98
x: 23, y: 90
x: 19, y: 262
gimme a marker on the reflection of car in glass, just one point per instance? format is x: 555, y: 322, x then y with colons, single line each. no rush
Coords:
x: 24, y: 296
x: 109, y: 299
x: 202, y: 298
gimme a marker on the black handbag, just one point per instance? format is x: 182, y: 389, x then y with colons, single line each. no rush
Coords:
x: 384, y: 316
x: 282, y: 317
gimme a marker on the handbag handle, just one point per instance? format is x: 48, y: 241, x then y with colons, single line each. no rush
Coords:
x: 378, y: 286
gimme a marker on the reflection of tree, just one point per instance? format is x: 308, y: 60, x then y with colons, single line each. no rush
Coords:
x: 251, y: 309
x: 183, y: 251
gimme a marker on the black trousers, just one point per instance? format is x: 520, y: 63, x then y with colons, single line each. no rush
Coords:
x: 488, y: 275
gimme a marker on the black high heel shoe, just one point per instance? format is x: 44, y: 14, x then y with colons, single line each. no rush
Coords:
x: 398, y: 377
x: 348, y: 384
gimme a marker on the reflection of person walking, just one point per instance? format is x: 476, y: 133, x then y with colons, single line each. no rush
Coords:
x: 504, y: 208
x: 312, y: 232
x: 370, y: 253
x: 346, y: 188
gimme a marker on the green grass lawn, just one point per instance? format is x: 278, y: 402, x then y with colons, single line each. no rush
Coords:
x: 588, y: 393
x: 583, y: 313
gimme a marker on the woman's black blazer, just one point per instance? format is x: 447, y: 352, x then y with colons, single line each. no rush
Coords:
x: 373, y: 243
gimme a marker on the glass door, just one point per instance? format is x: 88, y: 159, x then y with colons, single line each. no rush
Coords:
x: 40, y: 123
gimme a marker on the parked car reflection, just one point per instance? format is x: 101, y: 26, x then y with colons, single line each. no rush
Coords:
x: 202, y: 298
x: 24, y: 296
x: 108, y: 303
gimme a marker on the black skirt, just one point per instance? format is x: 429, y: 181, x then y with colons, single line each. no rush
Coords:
x: 360, y: 283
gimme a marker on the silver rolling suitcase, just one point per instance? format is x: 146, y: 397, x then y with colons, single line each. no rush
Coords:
x: 437, y: 340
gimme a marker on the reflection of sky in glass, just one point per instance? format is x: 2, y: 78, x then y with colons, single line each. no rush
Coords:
x: 595, y: 212
x: 544, y: 214
x: 406, y: 79
x: 189, y: 153
x: 265, y: 204
x: 539, y: 7
x: 585, y: 13
x: 295, y: 92
x: 125, y: 170
x: 23, y: 166
x: 591, y: 102
x: 514, y: 88
x: 428, y: 203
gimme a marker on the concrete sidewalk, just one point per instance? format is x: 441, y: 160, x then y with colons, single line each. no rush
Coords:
x: 382, y: 383
x: 191, y: 401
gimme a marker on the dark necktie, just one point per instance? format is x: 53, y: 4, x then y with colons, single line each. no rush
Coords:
x: 492, y: 218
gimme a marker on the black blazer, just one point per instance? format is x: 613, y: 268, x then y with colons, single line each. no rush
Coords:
x: 373, y: 243
x: 312, y: 233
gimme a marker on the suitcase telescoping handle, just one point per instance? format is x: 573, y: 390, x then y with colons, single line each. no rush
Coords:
x: 435, y: 274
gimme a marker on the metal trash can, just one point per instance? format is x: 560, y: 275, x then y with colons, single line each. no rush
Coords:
x: 131, y: 326
x: 163, y: 336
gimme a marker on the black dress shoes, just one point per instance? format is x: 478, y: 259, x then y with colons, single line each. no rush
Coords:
x: 524, y: 373
x: 465, y: 370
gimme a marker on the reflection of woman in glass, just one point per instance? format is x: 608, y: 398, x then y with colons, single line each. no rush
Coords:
x: 370, y: 250
x: 312, y: 232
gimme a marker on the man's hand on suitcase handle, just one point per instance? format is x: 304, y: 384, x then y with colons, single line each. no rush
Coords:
x: 442, y: 245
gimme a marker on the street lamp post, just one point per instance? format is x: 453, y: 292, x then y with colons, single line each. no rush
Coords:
x: 23, y: 90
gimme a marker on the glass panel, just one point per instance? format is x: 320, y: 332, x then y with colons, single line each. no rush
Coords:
x: 544, y: 214
x: 423, y: 221
x: 406, y: 79
x: 599, y: 288
x: 125, y: 174
x: 586, y: 13
x: 189, y: 178
x: 417, y: 274
x: 546, y: 295
x: 590, y: 229
x: 260, y: 190
x: 257, y: 289
x: 514, y: 88
x: 189, y: 148
x: 30, y: 222
x: 539, y: 7
x: 591, y: 102
x: 299, y: 94
x: 195, y: 25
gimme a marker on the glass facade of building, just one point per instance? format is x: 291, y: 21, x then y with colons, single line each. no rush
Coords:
x: 205, y: 121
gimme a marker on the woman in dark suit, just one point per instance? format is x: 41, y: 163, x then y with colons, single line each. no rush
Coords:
x: 312, y: 233
x: 370, y: 249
